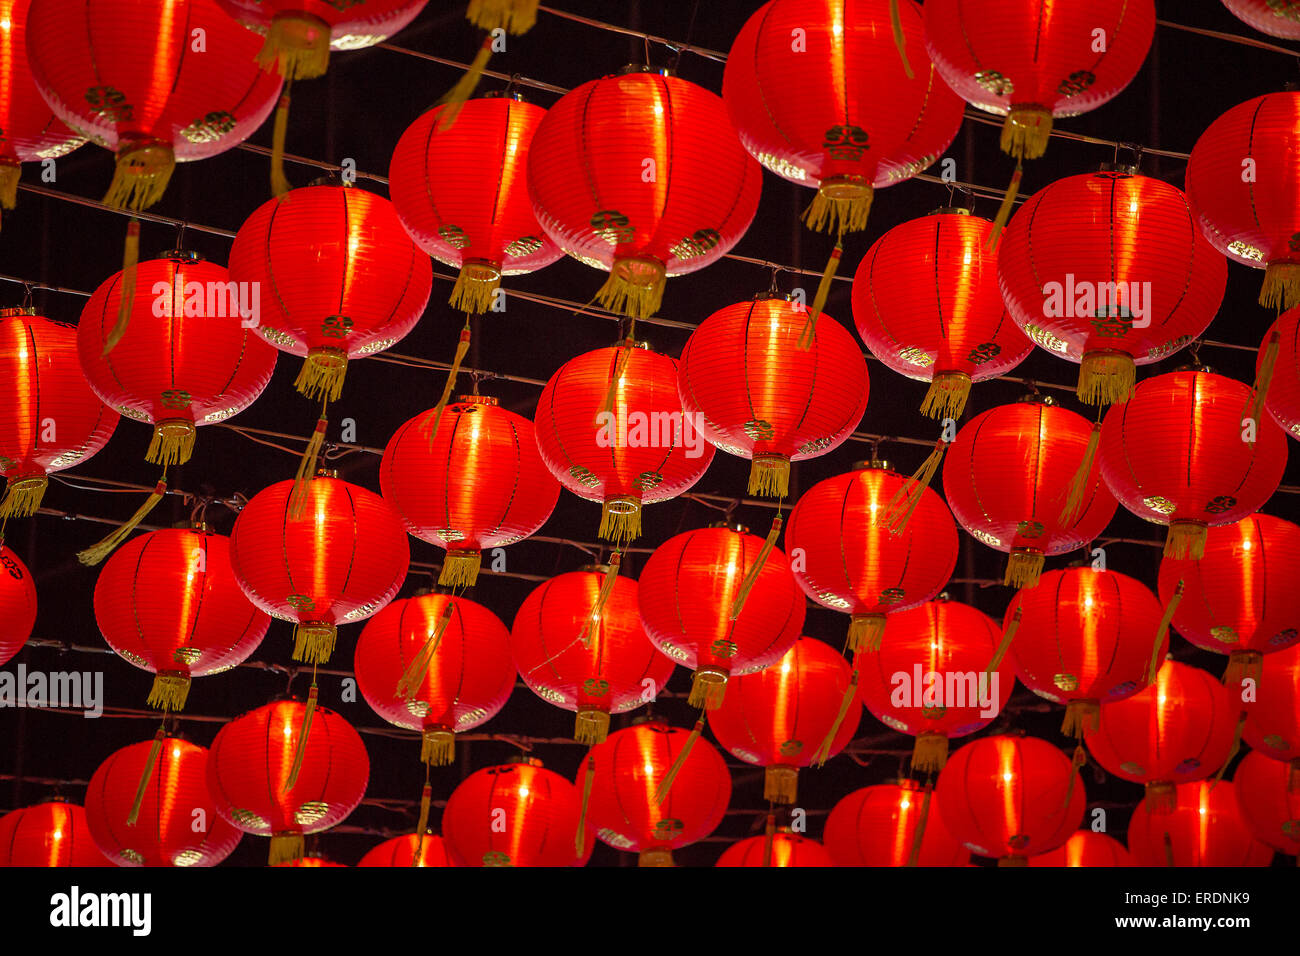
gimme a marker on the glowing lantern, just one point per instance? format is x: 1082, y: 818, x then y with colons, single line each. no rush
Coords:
x: 877, y: 826
x: 787, y: 849
x: 1283, y: 389
x: 17, y: 603
x: 1267, y: 800
x: 48, y: 834
x: 1279, y: 18
x: 1205, y: 828
x: 400, y: 851
x: 1086, y: 848
x: 1273, y: 721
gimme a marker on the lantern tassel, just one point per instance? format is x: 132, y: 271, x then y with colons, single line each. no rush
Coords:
x: 621, y: 357
x: 460, y: 569
x: 11, y: 171
x: 1243, y: 666
x: 169, y: 691
x: 1160, y: 797
x: 456, y: 97
x: 769, y: 838
x: 809, y: 333
x: 588, y: 778
x: 909, y: 494
x: 1026, y: 132
x: 591, y: 726
x: 286, y: 848
x: 1264, y: 378
x: 462, y: 348
x: 751, y: 576
x: 301, y: 750
x: 313, y: 642
x: 780, y: 783
x: 23, y: 497
x: 918, y: 834
x: 145, y: 776
x: 279, y: 133
x: 622, y: 526
x: 476, y: 286
x: 830, y: 213
x: 298, y: 496
x: 1186, y: 539
x: 707, y: 690
x: 514, y: 16
x: 866, y: 631
x: 947, y: 395
x: 929, y: 752
x: 1004, y: 645
x: 1004, y: 210
x: 635, y: 288
x: 408, y: 685
x: 592, y: 624
x: 126, y: 290
x: 1079, y: 484
x: 1281, y: 289
x: 823, y: 752
x: 422, y: 824
x: 1106, y: 378
x: 173, y: 442
x: 322, y: 374
x: 769, y: 476
x: 98, y: 552
x: 1024, y: 568
x: 666, y: 785
x: 437, y: 747
x: 297, y: 47
x: 141, y: 175
x: 899, y: 41
x: 1077, y: 763
x: 1168, y: 842
x: 1081, y: 716
x: 1232, y: 754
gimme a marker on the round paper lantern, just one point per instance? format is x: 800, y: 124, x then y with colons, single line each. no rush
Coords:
x: 1268, y: 798
x: 1174, y: 454
x: 1273, y: 721
x: 168, y: 602
x: 17, y: 603
x: 461, y: 191
x: 1177, y: 729
x: 854, y: 564
x: 789, y: 715
x: 48, y: 834
x: 1279, y: 18
x: 41, y: 384
x: 401, y: 851
x: 1031, y: 63
x: 162, y: 830
x: 542, y: 816
x: 342, y: 561
x: 1282, y: 398
x: 608, y: 670
x: 1010, y: 797
x: 1008, y: 478
x: 435, y: 663
x: 957, y: 331
x: 788, y: 849
x: 1109, y: 270
x: 928, y: 678
x: 480, y: 484
x: 626, y: 772
x: 611, y: 427
x: 1206, y: 828
x: 641, y: 174
x: 689, y: 590
x: 343, y: 277
x: 877, y: 826
x: 1086, y: 848
x: 187, y: 358
x: 266, y: 779
x: 755, y: 394
x: 1251, y: 218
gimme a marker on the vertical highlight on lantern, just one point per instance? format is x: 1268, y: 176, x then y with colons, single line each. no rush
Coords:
x: 209, y: 300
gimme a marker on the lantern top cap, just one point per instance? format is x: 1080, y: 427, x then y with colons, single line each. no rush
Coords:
x: 875, y: 464
x: 1036, y: 398
x: 594, y: 569
x: 477, y: 400
x: 643, y: 68
x: 181, y: 255
x: 504, y: 95
x: 17, y: 310
x: 1196, y: 368
x: 950, y: 211
x: 770, y: 294
x: 731, y: 526
x: 1117, y: 170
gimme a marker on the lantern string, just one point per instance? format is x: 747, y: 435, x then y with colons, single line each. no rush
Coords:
x: 918, y: 832
x: 146, y: 774
x: 666, y: 785
x: 588, y: 778
x: 304, y: 732
x: 1162, y: 629
x: 769, y: 835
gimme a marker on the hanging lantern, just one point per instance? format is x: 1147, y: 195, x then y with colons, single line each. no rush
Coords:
x: 41, y: 384
x: 310, y: 862
x: 1277, y: 372
x: 694, y: 611
x: 1007, y: 475
x: 853, y: 564
x: 17, y: 603
x: 168, y: 602
x: 955, y: 333
x: 934, y: 677
x: 285, y: 770
x: 148, y: 805
x: 582, y: 647
x: 1266, y: 800
x: 343, y: 561
x: 539, y: 810
x: 789, y: 715
x: 1109, y: 270
x: 1206, y: 828
x: 641, y: 174
x: 480, y: 484
x: 1279, y: 18
x: 1174, y: 454
x: 1086, y: 848
x: 48, y: 834
x: 757, y: 396
x: 437, y: 664
x: 1010, y: 797
x: 400, y: 851
x: 610, y: 426
x: 878, y: 826
x: 1273, y: 721
x: 628, y: 770
x: 1177, y: 729
x: 787, y: 849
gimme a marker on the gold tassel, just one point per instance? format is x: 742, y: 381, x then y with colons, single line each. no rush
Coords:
x: 780, y: 783
x: 621, y: 526
x: 1168, y: 842
x: 126, y: 297
x: 1153, y: 666
x: 1243, y: 666
x: 514, y: 16
x: 1160, y: 797
x: 769, y: 476
x: 841, y: 205
x: 173, y: 442
x: 286, y: 848
x: 23, y: 497
x: 918, y: 834
x: 301, y: 751
x: 146, y: 775
x: 476, y: 286
x: 1026, y: 131
x: 10, y: 172
x: 460, y: 569
x: 946, y: 396
x: 1186, y: 540
x: 1264, y: 378
x: 322, y: 373
x: 297, y: 47
x: 313, y: 642
x: 1236, y: 749
x: 1106, y: 378
x: 437, y: 746
x: 169, y: 692
x: 592, y: 623
x: 666, y: 785
x: 1081, y: 716
x: 897, y: 23
x: 1281, y: 288
x: 635, y: 288
x: 279, y: 133
x: 708, y: 687
x: 462, y: 347
x: 588, y: 778
x: 1079, y: 484
x: 408, y: 685
x: 1004, y: 211
x: 141, y: 174
x: 755, y: 569
x: 1024, y: 568
x: 929, y: 752
x: 809, y: 333
x: 98, y: 552
x: 899, y: 511
x: 422, y: 824
x: 591, y: 726
x: 455, y: 97
x: 298, y: 494
x: 769, y: 838
x: 866, y: 631
x: 1077, y: 762
x: 1004, y: 645
x: 823, y: 752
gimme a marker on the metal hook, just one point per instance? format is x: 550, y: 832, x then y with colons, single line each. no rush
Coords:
x: 27, y: 295
x: 180, y: 235
x: 772, y: 286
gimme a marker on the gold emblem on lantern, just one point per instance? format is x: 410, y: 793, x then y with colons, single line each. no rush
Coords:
x: 1066, y: 682
x: 210, y: 127
x: 1224, y: 633
x: 313, y: 811
x: 995, y: 82
x: 1161, y: 504
x: 759, y: 430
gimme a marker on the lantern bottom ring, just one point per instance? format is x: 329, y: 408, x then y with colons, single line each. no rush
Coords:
x: 437, y: 746
x: 845, y: 188
x: 173, y: 442
x: 591, y: 726
x: 708, y: 687
x: 23, y: 496
x: 623, y: 505
x: 656, y: 856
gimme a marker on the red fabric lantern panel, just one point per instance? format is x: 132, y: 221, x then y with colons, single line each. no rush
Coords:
x: 955, y: 332
x: 1086, y: 848
x: 542, y: 812
x: 481, y: 485
x: 876, y: 826
x: 758, y: 396
x: 1283, y: 397
x: 48, y: 834
x: 1010, y: 797
x: 788, y: 849
x: 168, y: 602
x: 349, y: 26
x: 1279, y: 18
x: 164, y: 833
x: 1273, y: 720
x: 1268, y: 799
x: 17, y: 604
x: 1109, y: 270
x: 311, y: 862
x: 400, y: 851
x: 614, y: 671
x: 628, y: 769
x: 641, y: 174
x: 1205, y: 829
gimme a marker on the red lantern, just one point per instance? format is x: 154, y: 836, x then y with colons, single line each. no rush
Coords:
x: 928, y: 678
x: 187, y: 358
x: 662, y: 186
x: 628, y: 769
x: 400, y: 851
x: 691, y: 586
x: 310, y: 862
x: 1273, y: 722
x: 1283, y: 381
x: 168, y: 602
x: 1005, y: 478
x: 1177, y: 729
x: 167, y: 778
x: 539, y: 809
x: 1109, y: 270
x: 266, y: 779
x: 958, y: 331
x: 852, y: 563
x: 609, y: 670
x: 1268, y: 802
x: 787, y: 849
x: 757, y: 396
x: 481, y: 484
x: 341, y: 562
x: 1031, y: 63
x: 1279, y: 18
x: 781, y: 717
x: 1205, y: 829
x: 41, y: 382
x: 610, y: 426
x: 1086, y: 848
x: 461, y: 191
x: 1010, y: 797
x: 48, y: 834
x: 437, y: 664
x: 1174, y: 454
x: 17, y: 603
x: 877, y: 826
